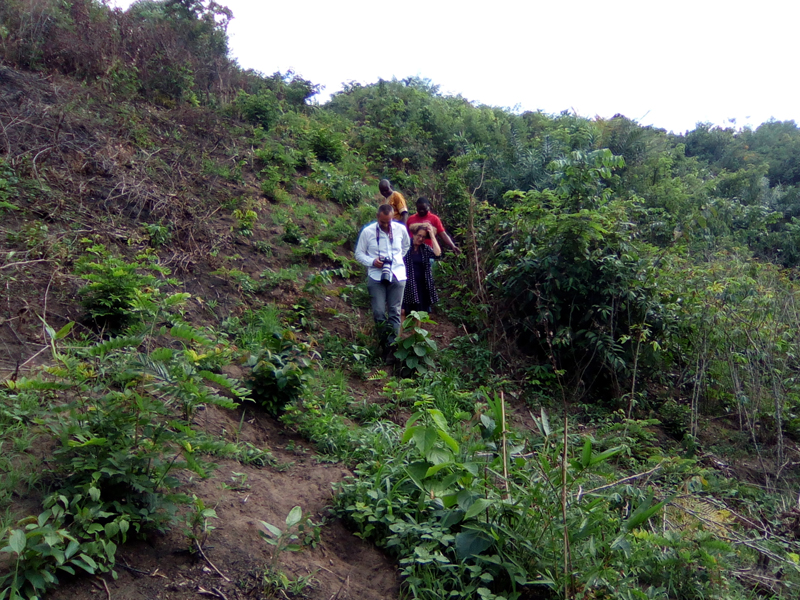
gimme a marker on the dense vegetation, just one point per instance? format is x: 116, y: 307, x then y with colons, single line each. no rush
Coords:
x: 631, y: 289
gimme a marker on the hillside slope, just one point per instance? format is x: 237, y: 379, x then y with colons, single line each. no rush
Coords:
x: 176, y: 277
x: 81, y: 172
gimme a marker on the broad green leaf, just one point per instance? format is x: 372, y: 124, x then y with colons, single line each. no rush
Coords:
x: 545, y: 423
x: 17, y: 541
x: 478, y: 507
x: 643, y: 512
x: 438, y: 418
x: 416, y: 472
x: 439, y: 455
x: 409, y: 432
x: 448, y: 440
x: 36, y: 579
x: 272, y: 529
x: 79, y: 562
x: 471, y: 542
x: 425, y: 438
x: 294, y: 517
x: 598, y: 458
x: 64, y: 331
x: 436, y: 468
x: 586, y: 458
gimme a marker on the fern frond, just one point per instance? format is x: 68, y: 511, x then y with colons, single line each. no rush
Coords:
x: 226, y: 382
x: 190, y: 334
x: 117, y: 343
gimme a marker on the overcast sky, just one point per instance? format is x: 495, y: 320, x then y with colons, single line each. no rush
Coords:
x: 669, y: 64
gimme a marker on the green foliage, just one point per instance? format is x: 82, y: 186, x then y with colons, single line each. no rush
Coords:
x: 259, y: 109
x: 415, y: 351
x: 245, y: 220
x: 197, y: 527
x: 299, y: 531
x: 119, y: 289
x: 8, y: 187
x: 578, y: 285
x: 280, y: 370
x: 160, y: 235
x: 327, y: 145
x: 118, y: 447
x: 459, y: 526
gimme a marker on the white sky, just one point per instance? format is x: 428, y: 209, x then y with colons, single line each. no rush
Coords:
x: 665, y: 63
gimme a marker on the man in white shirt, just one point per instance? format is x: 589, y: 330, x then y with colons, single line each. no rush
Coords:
x: 381, y: 247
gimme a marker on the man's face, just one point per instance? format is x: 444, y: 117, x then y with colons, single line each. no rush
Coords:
x: 384, y: 221
x: 386, y: 191
x: 422, y: 210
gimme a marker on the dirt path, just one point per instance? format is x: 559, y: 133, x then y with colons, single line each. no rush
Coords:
x: 342, y: 566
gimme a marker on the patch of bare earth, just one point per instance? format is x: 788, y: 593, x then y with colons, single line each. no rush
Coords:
x: 342, y: 566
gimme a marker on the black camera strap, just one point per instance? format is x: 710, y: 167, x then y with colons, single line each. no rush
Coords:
x: 378, y: 238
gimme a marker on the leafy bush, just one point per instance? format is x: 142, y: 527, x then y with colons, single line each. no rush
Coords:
x: 118, y: 449
x: 160, y: 235
x: 281, y: 371
x: 327, y: 145
x: 415, y: 351
x: 259, y: 109
x: 118, y: 289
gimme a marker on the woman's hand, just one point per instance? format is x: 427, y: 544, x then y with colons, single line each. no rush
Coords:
x: 377, y: 263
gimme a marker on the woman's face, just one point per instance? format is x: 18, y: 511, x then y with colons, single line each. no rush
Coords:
x: 420, y: 236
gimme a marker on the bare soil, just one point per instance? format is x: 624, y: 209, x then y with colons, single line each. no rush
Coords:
x: 167, y: 566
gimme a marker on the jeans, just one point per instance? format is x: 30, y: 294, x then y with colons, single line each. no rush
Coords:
x: 386, y: 298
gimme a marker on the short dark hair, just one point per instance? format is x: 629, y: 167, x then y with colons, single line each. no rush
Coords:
x: 424, y: 200
x: 385, y: 209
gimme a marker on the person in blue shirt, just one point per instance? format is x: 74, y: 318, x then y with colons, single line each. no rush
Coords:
x: 381, y: 247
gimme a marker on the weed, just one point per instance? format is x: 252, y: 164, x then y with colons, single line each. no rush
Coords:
x: 239, y: 482
x: 245, y: 220
x: 263, y: 247
x: 197, y: 523
x: 280, y: 370
x: 160, y: 235
x: 118, y: 289
x: 415, y: 351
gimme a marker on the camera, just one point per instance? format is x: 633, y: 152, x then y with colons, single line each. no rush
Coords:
x: 386, y: 270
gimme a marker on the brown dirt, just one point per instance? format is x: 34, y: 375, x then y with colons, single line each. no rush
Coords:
x: 162, y: 567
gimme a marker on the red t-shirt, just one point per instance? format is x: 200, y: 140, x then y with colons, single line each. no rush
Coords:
x: 429, y: 218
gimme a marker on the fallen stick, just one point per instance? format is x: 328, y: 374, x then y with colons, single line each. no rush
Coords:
x: 210, y: 564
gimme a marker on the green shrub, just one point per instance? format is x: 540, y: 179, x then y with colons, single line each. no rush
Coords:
x: 259, y: 109
x: 415, y: 351
x: 327, y: 145
x: 281, y: 371
x: 118, y: 289
x: 160, y: 235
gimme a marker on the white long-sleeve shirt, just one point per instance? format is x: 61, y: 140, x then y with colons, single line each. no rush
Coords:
x: 374, y: 243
